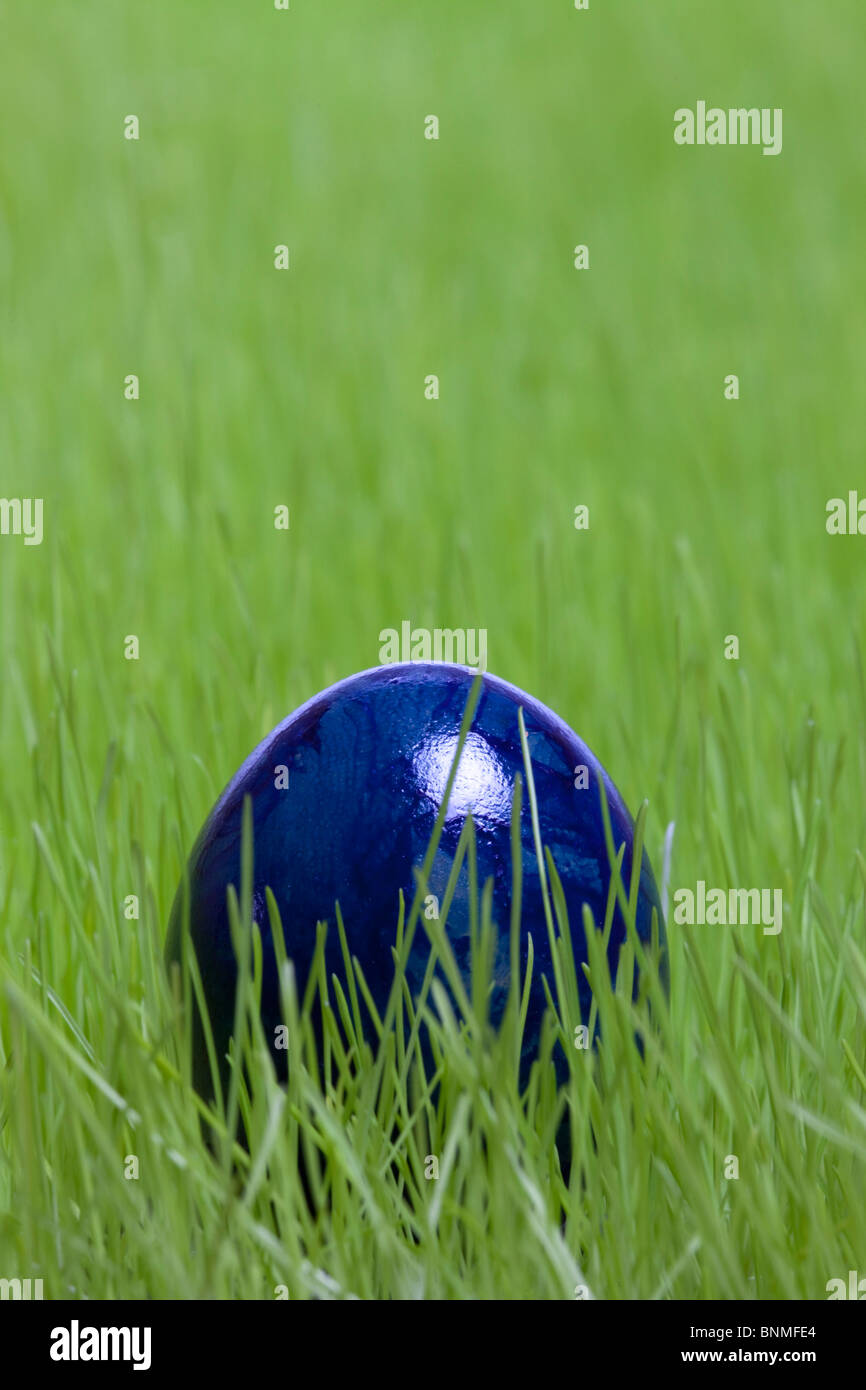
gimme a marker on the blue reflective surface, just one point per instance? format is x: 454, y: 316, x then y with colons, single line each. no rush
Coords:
x: 368, y: 761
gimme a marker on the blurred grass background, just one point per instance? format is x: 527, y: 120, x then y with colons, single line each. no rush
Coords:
x: 558, y: 387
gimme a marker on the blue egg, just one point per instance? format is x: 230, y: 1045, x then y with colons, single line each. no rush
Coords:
x: 366, y: 767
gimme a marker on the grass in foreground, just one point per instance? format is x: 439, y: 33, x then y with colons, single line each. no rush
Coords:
x: 91, y: 1086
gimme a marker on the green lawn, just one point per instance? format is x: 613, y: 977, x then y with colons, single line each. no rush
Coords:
x: 558, y: 387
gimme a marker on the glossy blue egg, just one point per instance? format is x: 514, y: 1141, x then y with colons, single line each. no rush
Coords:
x: 367, y: 763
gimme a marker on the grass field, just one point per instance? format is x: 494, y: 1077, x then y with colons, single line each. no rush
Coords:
x: 558, y: 387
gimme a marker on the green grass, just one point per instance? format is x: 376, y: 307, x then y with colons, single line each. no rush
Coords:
x: 557, y: 387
